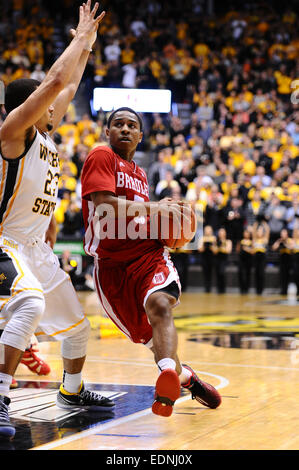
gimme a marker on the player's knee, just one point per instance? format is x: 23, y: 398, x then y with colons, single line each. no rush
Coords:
x: 29, y: 310
x: 158, y: 308
x: 25, y: 317
x: 38, y: 309
x: 32, y: 312
x: 75, y: 346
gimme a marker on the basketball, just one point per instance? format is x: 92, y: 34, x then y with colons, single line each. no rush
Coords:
x: 175, y: 233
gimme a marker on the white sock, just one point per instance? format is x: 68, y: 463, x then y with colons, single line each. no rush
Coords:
x: 185, y: 375
x: 5, y: 381
x: 72, y: 382
x: 166, y: 363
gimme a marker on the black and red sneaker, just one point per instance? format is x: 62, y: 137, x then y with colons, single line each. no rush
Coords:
x: 201, y: 391
x: 168, y: 390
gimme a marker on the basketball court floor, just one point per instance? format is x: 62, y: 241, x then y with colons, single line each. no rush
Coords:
x: 246, y: 346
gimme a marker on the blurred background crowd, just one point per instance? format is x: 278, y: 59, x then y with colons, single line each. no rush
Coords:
x: 230, y: 144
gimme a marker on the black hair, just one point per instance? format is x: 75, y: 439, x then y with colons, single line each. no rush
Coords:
x: 124, y: 108
x: 18, y: 91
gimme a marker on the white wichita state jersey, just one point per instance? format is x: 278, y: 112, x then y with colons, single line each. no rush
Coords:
x: 28, y: 190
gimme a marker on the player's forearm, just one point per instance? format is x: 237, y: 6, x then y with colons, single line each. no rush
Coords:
x: 121, y: 206
x: 66, y: 65
x: 75, y: 78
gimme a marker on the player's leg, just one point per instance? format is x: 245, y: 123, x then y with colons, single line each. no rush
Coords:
x: 14, y: 383
x: 201, y: 391
x: 30, y: 359
x: 65, y: 321
x: 22, y: 307
x: 159, y: 312
x: 72, y: 392
x: 158, y: 308
x: 173, y: 374
x: 25, y: 314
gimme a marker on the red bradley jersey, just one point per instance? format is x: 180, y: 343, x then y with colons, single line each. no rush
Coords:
x: 104, y: 170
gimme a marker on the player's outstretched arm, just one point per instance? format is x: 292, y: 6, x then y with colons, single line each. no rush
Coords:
x: 64, y: 98
x: 26, y: 115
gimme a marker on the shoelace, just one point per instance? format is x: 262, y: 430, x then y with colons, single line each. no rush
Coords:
x: 34, y: 357
x: 90, y: 396
x: 4, y: 412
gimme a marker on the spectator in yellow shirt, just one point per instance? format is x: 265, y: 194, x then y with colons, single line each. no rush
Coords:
x: 65, y: 161
x: 229, y: 101
x: 290, y: 147
x: 35, y: 51
x: 67, y: 180
x: 8, y: 75
x: 127, y: 55
x: 283, y: 83
x: 200, y: 49
x: 248, y: 165
x: 69, y: 131
x: 85, y: 123
x: 276, y: 156
x: 266, y: 131
x: 227, y: 140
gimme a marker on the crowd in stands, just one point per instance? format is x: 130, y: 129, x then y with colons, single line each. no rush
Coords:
x: 237, y: 157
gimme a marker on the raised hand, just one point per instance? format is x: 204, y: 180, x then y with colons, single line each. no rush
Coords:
x: 88, y: 23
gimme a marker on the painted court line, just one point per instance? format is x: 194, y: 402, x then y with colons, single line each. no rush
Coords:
x: 253, y: 366
x: 224, y: 364
x: 152, y: 364
x: 126, y: 419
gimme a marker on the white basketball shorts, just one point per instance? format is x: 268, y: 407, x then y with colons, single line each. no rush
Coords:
x: 32, y: 269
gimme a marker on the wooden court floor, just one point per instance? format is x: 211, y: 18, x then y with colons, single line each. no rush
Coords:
x: 246, y: 346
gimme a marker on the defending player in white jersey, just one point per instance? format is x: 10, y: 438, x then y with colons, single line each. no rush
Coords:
x: 36, y: 295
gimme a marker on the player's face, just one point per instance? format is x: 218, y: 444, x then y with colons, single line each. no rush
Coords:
x: 45, y: 123
x: 124, y: 132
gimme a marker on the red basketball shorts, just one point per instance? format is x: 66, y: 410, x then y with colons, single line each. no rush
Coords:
x: 123, y: 289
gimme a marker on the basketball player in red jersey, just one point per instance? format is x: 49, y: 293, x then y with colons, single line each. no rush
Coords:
x: 135, y: 279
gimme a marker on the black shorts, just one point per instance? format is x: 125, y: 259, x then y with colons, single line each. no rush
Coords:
x: 172, y: 289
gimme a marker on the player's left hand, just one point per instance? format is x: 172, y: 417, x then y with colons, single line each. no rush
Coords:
x: 51, y: 233
x: 86, y: 8
x: 50, y: 239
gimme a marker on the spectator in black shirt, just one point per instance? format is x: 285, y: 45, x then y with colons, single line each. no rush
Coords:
x: 234, y: 220
x: 73, y: 222
x: 264, y: 159
x: 214, y: 214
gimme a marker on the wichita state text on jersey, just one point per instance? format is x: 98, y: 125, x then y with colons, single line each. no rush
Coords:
x: 28, y: 189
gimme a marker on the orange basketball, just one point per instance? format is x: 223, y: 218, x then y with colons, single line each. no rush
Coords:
x: 173, y: 233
